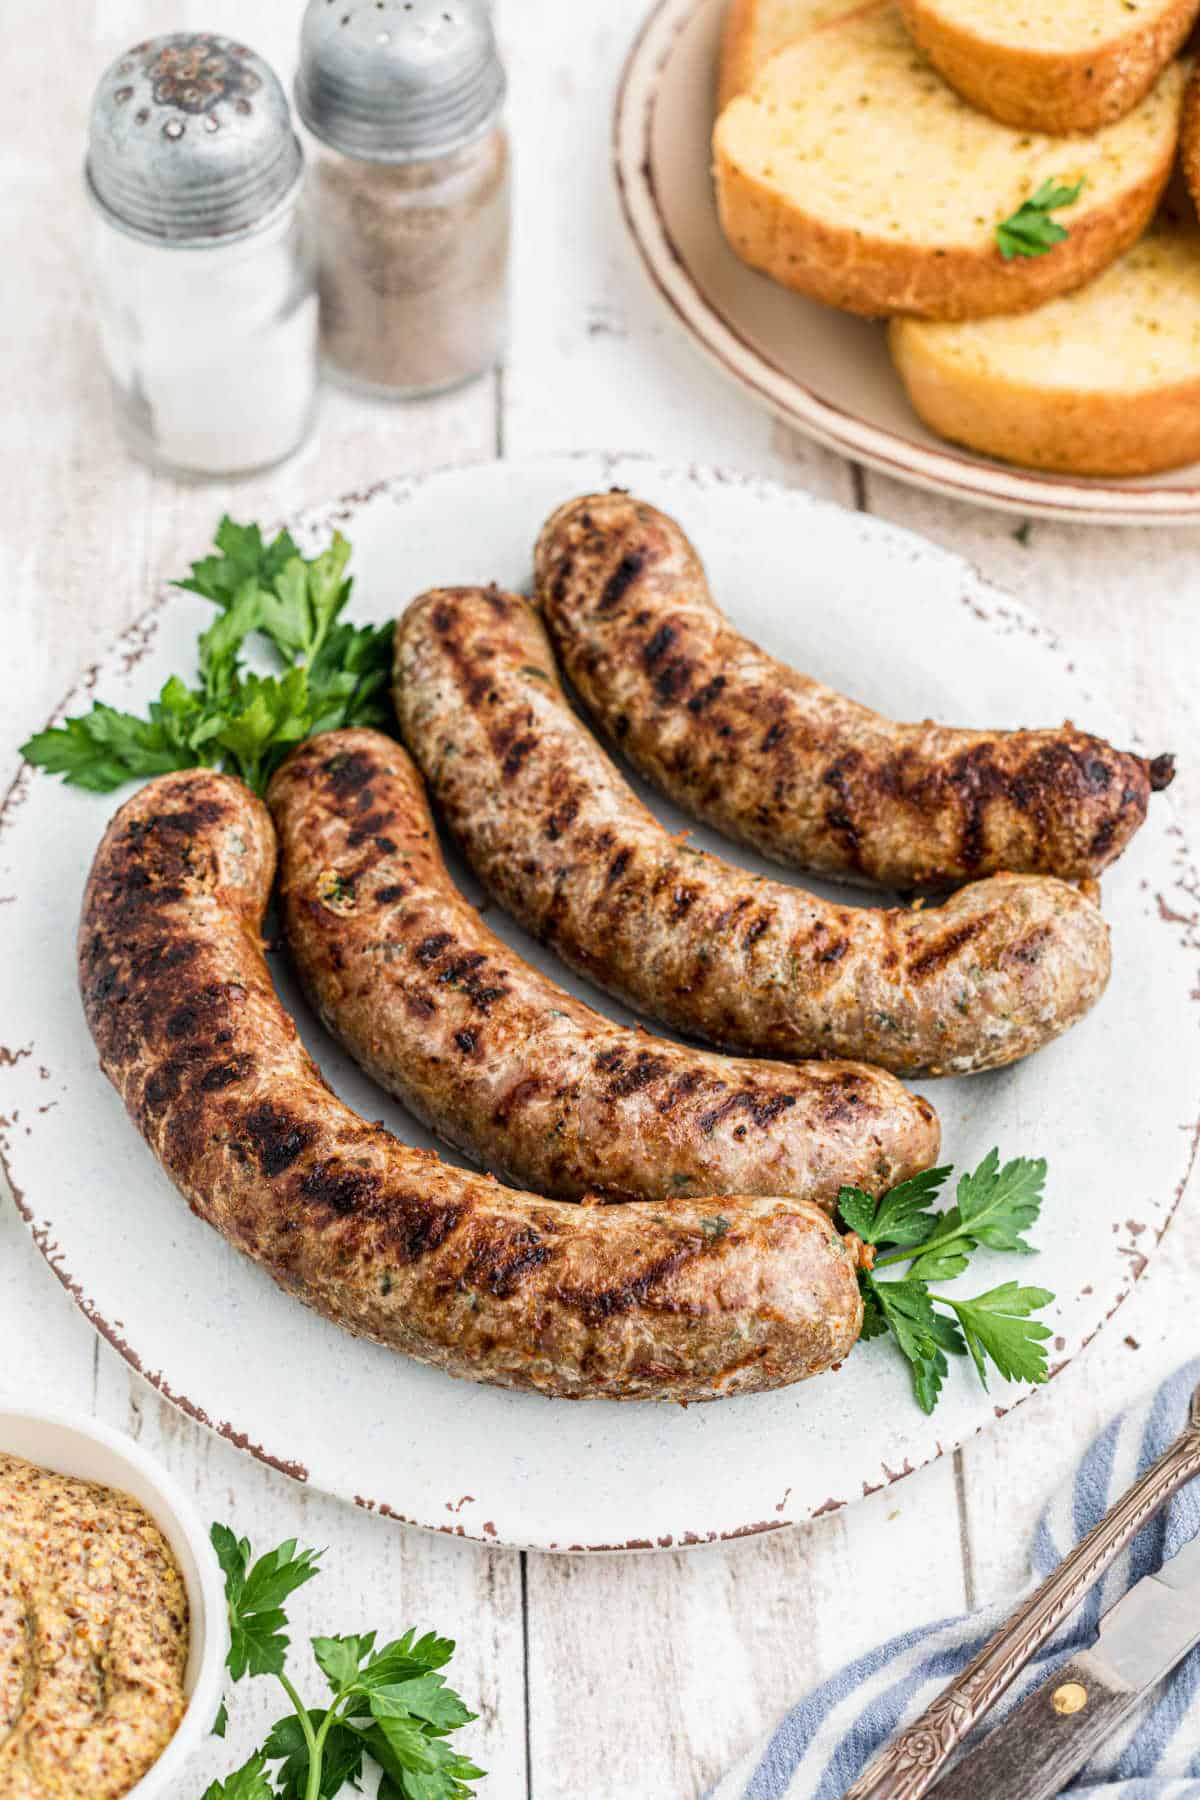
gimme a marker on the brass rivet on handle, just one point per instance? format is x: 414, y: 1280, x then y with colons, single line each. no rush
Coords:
x: 1071, y: 1697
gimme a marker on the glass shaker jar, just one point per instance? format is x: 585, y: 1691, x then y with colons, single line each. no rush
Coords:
x: 409, y: 190
x: 205, y: 287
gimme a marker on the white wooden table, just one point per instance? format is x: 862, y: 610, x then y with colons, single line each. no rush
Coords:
x: 631, y: 1676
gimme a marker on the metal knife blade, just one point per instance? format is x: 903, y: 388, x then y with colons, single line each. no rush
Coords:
x: 1156, y: 1623
x: 1060, y: 1726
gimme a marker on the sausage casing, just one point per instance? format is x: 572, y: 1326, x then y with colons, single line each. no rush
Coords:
x: 687, y: 1300
x: 505, y: 1065
x: 776, y: 760
x: 558, y: 836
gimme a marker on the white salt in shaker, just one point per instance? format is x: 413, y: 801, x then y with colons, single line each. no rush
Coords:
x: 409, y: 189
x: 205, y: 287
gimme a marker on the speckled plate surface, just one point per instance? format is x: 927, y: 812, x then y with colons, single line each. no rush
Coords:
x: 1113, y: 1105
x: 822, y: 371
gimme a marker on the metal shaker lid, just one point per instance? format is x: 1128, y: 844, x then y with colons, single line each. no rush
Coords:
x: 398, y: 80
x: 191, y: 140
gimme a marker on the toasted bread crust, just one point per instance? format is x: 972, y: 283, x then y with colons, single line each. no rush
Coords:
x: 1048, y: 90
x: 747, y: 40
x: 737, y: 65
x: 879, y: 279
x: 1117, y: 434
x: 1189, y: 139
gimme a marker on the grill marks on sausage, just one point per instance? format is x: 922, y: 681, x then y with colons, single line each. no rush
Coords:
x: 348, y: 772
x: 520, y: 749
x: 1026, y: 950
x: 638, y: 1290
x: 467, y: 972
x: 371, y: 827
x: 414, y: 1227
x: 561, y: 818
x: 222, y: 1075
x: 200, y: 1008
x: 704, y: 697
x: 761, y: 1109
x: 621, y: 579
x: 631, y: 1077
x: 276, y: 1137
x: 840, y: 810
x: 935, y: 956
x: 342, y: 1189
x: 502, y: 1262
x: 618, y: 866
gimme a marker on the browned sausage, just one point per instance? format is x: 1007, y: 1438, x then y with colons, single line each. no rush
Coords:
x: 687, y: 1300
x: 504, y: 1064
x: 776, y: 760
x: 563, y: 843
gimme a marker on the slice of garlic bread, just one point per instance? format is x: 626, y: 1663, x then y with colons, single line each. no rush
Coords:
x: 1105, y: 381
x: 755, y: 29
x: 1189, y: 143
x: 853, y: 173
x: 1051, y: 65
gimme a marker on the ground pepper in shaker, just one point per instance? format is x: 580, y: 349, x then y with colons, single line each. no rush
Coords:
x: 409, y: 190
x: 205, y: 286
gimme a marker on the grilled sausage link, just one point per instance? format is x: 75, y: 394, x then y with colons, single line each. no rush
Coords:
x: 509, y: 1068
x: 688, y: 1300
x: 778, y: 761
x: 563, y: 843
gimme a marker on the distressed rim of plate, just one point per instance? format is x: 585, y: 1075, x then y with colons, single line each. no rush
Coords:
x: 134, y: 643
x: 960, y: 475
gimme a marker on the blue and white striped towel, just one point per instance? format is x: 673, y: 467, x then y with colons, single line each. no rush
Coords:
x: 827, y: 1740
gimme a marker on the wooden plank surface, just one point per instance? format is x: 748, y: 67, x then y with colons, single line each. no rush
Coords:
x: 631, y: 1676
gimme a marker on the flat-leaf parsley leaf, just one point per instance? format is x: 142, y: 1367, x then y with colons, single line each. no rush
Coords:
x: 994, y: 1207
x: 329, y: 674
x: 390, y: 1706
x: 1030, y: 231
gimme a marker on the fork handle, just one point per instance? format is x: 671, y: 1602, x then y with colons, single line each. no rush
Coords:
x: 909, y: 1765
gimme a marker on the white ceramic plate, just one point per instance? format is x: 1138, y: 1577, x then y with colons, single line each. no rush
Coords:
x: 870, y: 608
x: 824, y: 372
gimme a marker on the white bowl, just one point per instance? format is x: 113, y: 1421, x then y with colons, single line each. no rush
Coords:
x: 76, y: 1446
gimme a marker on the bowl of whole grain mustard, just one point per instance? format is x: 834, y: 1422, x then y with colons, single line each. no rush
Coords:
x: 113, y: 1629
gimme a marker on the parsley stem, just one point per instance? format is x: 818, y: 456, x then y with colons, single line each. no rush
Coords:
x: 908, y: 1256
x: 312, y: 1789
x: 316, y: 1747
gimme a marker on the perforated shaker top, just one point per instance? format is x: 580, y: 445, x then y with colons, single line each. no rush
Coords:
x: 398, y: 80
x: 191, y: 140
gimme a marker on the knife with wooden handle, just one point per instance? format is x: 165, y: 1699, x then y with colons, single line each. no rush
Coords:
x: 1056, y: 1729
x: 908, y: 1766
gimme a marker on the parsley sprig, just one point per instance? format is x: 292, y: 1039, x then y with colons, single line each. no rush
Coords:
x: 330, y: 673
x: 993, y: 1208
x: 389, y: 1704
x: 1030, y: 231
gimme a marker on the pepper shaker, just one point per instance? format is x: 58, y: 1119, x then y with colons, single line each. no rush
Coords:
x: 205, y: 286
x: 409, y: 189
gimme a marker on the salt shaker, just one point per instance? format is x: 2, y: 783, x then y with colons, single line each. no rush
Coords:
x: 205, y: 285
x: 409, y: 189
